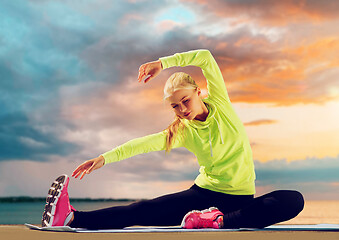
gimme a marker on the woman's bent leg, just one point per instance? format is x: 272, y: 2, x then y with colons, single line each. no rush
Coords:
x: 266, y: 210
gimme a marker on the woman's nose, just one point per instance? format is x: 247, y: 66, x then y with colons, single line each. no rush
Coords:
x: 182, y: 108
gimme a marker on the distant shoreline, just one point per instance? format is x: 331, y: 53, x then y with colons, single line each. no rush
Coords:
x: 19, y: 199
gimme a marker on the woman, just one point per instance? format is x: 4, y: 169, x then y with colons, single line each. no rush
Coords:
x: 211, y: 130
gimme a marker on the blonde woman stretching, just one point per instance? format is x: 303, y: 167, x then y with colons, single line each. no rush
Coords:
x: 222, y: 195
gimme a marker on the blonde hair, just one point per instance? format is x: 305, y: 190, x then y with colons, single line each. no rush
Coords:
x: 176, y: 81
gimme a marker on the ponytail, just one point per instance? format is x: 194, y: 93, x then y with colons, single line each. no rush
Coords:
x: 172, y: 132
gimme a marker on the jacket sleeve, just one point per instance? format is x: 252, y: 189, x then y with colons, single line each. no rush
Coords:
x: 149, y: 143
x: 203, y: 59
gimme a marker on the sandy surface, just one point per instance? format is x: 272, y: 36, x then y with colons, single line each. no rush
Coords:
x: 10, y: 232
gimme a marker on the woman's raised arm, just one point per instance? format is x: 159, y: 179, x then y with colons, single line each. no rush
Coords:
x: 150, y: 70
x: 204, y: 59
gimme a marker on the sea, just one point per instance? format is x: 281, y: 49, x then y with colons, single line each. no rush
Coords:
x: 20, y: 212
x: 28, y: 210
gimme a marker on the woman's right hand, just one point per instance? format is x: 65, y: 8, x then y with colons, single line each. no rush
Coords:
x: 88, y: 166
x: 151, y: 68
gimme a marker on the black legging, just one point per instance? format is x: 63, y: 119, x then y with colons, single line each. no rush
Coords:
x: 240, y: 211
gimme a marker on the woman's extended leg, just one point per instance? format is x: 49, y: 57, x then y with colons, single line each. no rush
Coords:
x: 266, y: 210
x: 167, y: 210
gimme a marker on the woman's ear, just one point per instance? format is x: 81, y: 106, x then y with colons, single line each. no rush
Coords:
x: 199, y: 91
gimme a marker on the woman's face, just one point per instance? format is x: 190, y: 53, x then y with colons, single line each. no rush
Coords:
x: 186, y: 103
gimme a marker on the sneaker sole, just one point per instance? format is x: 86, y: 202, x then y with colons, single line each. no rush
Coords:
x: 54, y: 193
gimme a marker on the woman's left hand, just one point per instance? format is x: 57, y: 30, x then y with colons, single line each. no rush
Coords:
x: 88, y: 166
x: 149, y: 70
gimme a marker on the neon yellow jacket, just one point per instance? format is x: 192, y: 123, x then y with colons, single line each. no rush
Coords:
x: 220, y: 143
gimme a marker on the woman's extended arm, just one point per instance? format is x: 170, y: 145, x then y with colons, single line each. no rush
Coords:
x: 150, y: 143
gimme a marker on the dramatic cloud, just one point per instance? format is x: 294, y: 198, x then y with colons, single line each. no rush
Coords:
x: 68, y: 88
x: 19, y: 139
x: 274, y: 13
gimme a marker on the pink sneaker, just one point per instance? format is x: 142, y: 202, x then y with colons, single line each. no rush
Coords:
x: 208, y: 218
x: 58, y: 209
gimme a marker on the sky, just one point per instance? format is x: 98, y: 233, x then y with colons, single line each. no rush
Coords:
x: 69, y: 91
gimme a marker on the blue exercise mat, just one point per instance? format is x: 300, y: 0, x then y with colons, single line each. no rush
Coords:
x: 317, y: 227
